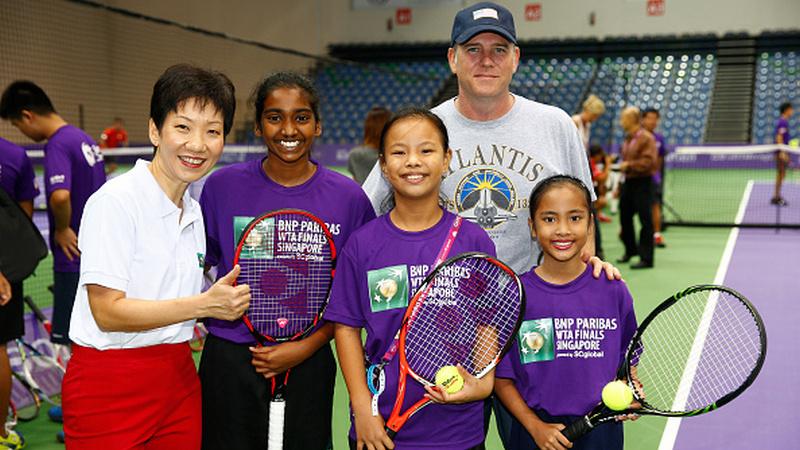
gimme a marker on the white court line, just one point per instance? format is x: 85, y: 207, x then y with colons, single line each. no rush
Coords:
x: 673, y: 423
x: 733, y: 149
x: 146, y: 151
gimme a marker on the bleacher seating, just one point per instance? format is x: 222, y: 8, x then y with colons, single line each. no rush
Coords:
x: 349, y: 92
x: 680, y: 86
x: 559, y: 82
x: 777, y: 81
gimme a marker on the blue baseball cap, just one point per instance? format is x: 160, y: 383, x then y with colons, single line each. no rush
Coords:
x: 483, y: 17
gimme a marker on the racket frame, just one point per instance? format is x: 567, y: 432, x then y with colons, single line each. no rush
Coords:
x: 29, y: 412
x: 277, y: 398
x: 396, y: 419
x: 35, y: 362
x: 264, y: 339
x: 602, y: 414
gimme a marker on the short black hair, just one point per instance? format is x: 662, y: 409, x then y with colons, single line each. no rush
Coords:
x: 420, y: 113
x: 650, y: 110
x: 182, y: 82
x: 784, y: 106
x: 557, y: 180
x: 24, y: 95
x: 289, y: 80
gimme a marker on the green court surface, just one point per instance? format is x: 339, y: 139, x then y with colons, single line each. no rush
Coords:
x: 691, y: 257
x: 714, y: 195
x: 708, y: 195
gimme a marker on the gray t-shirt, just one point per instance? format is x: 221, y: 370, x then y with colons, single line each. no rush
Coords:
x: 496, y: 165
x: 360, y: 161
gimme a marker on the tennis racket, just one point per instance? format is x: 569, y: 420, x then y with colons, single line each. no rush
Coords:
x: 697, y: 351
x: 25, y: 401
x: 287, y: 259
x: 43, y: 373
x: 60, y: 352
x: 466, y: 312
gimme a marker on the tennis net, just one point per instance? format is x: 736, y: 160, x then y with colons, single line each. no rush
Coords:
x: 730, y: 186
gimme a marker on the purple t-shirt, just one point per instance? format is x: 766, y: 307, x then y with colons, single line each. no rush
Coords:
x: 661, y: 146
x: 378, y: 255
x: 234, y: 195
x: 16, y: 172
x: 72, y: 161
x: 571, y: 342
x: 782, y: 129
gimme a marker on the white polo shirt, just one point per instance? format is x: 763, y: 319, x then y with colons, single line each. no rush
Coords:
x: 134, y: 239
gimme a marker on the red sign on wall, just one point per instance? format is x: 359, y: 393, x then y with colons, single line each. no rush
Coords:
x: 403, y: 16
x: 533, y: 12
x: 655, y: 7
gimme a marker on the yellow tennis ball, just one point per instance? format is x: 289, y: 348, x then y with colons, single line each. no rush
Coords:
x: 617, y: 395
x: 449, y: 377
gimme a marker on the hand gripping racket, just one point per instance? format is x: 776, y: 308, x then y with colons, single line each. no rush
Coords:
x: 466, y: 312
x: 697, y: 351
x: 287, y: 259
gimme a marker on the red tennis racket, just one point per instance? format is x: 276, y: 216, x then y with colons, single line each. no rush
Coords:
x: 466, y: 312
x: 287, y: 258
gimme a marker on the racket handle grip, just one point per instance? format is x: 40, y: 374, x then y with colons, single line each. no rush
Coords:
x: 275, y: 436
x: 578, y: 429
x: 390, y: 432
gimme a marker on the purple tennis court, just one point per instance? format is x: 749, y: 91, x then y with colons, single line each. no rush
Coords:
x: 763, y: 268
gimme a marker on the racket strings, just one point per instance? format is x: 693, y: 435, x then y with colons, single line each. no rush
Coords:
x: 700, y: 349
x: 467, y: 317
x: 287, y: 262
x: 46, y: 373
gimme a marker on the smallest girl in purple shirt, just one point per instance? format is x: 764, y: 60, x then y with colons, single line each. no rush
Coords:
x: 380, y: 267
x: 574, y: 333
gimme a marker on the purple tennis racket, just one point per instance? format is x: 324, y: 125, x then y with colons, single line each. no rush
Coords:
x: 466, y: 312
x: 287, y: 258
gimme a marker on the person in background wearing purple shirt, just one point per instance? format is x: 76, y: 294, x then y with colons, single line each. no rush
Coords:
x: 16, y: 179
x: 782, y: 136
x: 234, y: 373
x: 73, y: 169
x: 650, y: 118
x: 381, y: 266
x: 574, y: 334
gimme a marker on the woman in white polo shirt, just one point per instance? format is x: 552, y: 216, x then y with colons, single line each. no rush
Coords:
x: 131, y: 382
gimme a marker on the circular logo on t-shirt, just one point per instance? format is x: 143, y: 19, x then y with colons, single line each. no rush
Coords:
x: 486, y: 197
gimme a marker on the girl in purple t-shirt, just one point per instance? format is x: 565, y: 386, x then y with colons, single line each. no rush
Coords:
x: 236, y: 374
x: 380, y: 267
x: 574, y: 333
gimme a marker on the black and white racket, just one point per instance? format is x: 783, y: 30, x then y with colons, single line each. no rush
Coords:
x: 697, y: 351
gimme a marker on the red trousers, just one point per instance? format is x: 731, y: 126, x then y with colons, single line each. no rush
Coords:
x: 142, y: 398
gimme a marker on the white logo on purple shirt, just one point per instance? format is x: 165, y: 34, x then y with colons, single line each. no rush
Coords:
x: 91, y: 153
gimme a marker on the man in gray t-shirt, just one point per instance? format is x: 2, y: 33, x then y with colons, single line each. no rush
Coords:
x: 495, y: 166
x: 503, y: 144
